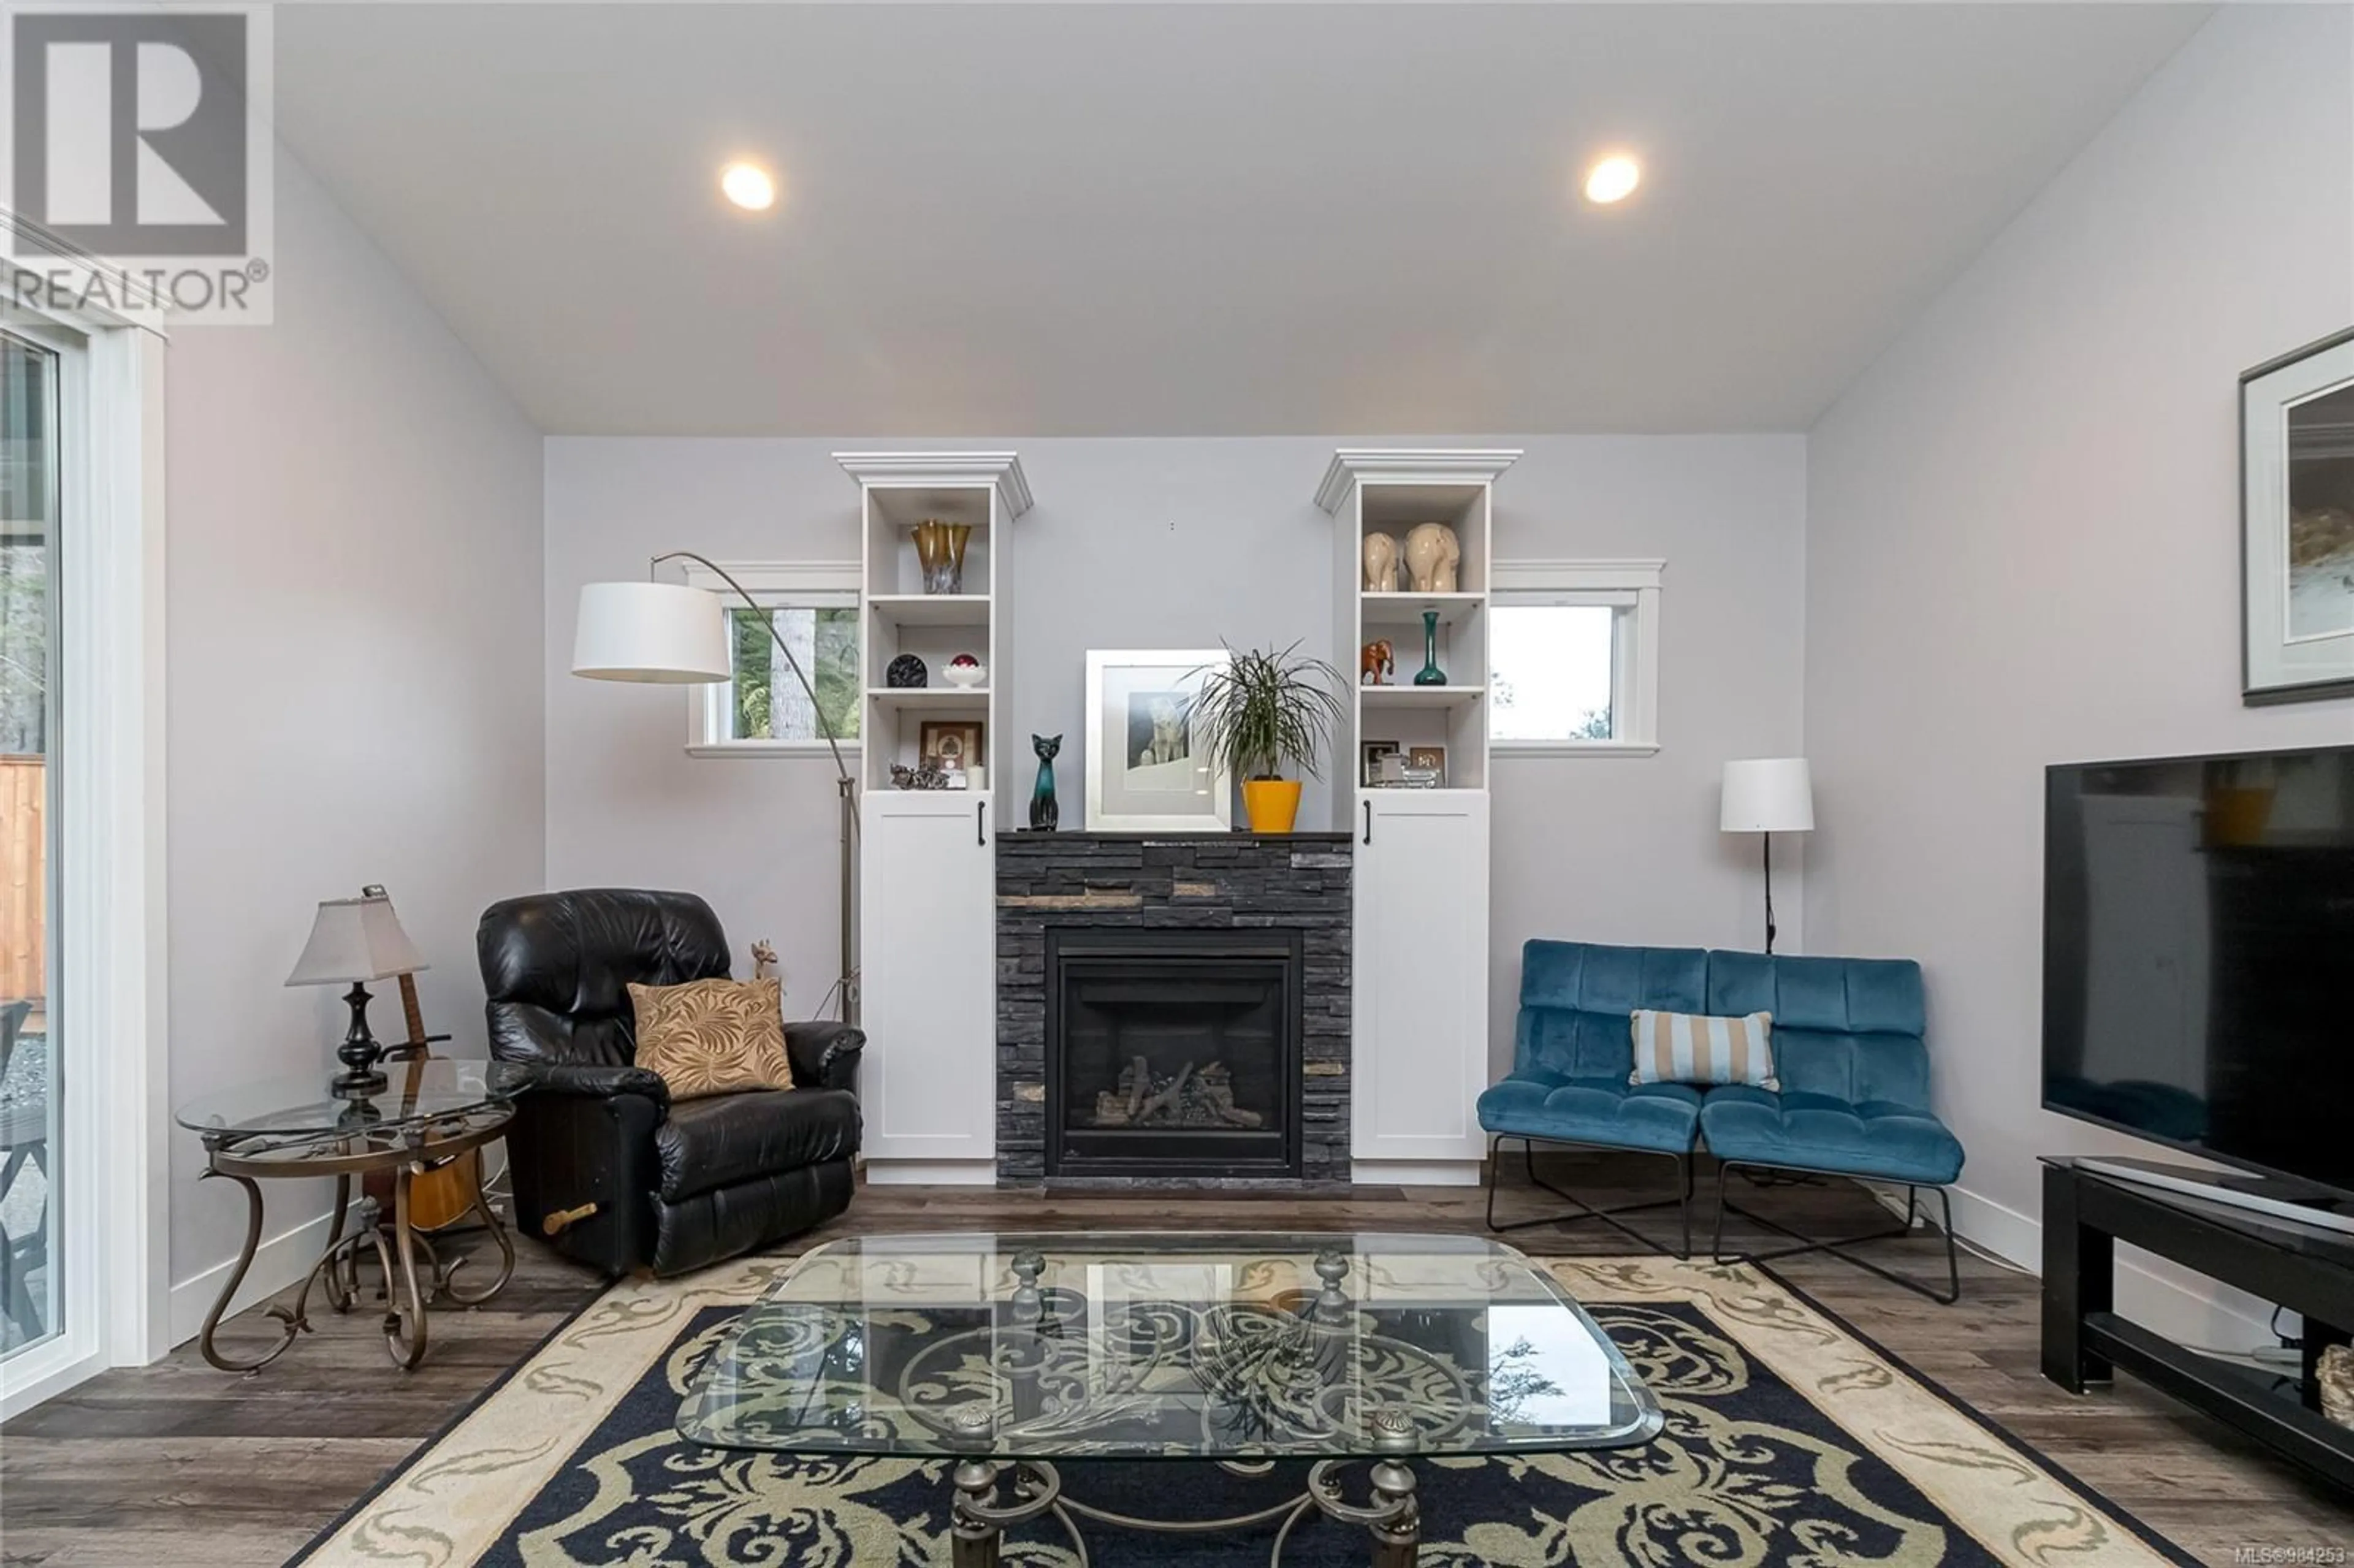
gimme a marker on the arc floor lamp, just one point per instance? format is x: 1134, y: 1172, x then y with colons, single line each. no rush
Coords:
x: 662, y: 633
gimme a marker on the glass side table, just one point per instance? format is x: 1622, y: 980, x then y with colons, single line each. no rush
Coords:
x: 432, y: 1112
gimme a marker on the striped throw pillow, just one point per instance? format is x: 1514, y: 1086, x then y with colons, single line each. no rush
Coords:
x: 1686, y: 1048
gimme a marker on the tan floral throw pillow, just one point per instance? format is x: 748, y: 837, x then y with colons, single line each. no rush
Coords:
x: 713, y: 1036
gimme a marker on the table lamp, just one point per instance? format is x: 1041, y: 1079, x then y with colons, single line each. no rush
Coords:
x: 352, y: 941
x: 1768, y: 795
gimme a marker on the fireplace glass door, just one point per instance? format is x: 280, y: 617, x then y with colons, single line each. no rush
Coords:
x: 1173, y: 1053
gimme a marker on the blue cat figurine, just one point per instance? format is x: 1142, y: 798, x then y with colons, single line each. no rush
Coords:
x: 1043, y: 813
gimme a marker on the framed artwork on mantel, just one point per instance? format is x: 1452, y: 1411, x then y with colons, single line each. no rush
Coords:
x: 2296, y: 524
x: 1148, y: 772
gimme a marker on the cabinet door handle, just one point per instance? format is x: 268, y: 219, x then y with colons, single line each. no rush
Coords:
x: 1369, y: 819
x: 981, y: 824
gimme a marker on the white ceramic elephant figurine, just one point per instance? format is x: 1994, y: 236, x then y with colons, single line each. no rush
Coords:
x: 1432, y: 554
x: 1381, y: 564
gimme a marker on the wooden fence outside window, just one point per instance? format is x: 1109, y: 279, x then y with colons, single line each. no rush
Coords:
x: 24, y: 877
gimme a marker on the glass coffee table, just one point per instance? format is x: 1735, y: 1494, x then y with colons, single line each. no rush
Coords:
x: 1007, y: 1352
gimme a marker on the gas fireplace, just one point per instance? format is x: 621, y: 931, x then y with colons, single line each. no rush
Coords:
x: 1196, y: 989
x: 1174, y: 1052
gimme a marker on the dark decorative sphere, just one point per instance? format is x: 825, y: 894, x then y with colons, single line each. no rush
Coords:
x: 907, y: 670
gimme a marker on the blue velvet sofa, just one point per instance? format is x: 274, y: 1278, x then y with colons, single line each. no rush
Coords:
x: 1848, y: 1054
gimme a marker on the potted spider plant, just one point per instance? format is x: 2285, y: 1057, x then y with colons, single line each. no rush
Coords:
x: 1261, y: 712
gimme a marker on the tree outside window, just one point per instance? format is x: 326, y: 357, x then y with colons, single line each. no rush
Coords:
x: 767, y: 703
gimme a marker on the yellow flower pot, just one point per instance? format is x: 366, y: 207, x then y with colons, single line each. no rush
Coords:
x: 1272, y: 804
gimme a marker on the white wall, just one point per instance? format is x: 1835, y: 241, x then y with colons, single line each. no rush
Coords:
x: 2022, y: 541
x: 1624, y: 849
x: 1152, y: 543
x: 627, y: 807
x: 353, y: 692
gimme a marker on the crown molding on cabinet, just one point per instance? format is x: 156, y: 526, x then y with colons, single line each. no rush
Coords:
x: 1410, y: 465
x: 1002, y: 470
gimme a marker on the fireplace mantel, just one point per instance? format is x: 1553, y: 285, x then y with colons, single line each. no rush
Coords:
x: 1081, y: 882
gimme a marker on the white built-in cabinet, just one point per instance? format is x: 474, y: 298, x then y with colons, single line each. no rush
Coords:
x: 927, y: 859
x: 1421, y: 980
x: 927, y: 882
x: 1420, y: 959
x: 929, y: 968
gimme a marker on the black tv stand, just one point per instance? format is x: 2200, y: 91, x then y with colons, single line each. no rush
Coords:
x: 2275, y: 1197
x: 2301, y: 1266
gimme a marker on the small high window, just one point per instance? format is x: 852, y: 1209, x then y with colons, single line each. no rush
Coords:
x: 763, y: 708
x: 1573, y: 657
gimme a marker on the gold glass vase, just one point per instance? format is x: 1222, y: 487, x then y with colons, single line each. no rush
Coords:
x: 939, y: 548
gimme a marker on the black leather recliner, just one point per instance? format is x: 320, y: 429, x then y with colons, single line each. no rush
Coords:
x: 675, y: 1186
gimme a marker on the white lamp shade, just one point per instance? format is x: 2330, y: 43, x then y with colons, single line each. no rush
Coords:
x: 355, y: 940
x: 666, y: 633
x: 1768, y: 795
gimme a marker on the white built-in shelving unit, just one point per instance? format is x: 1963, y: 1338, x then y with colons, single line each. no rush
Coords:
x: 1420, y: 1052
x: 928, y: 887
x: 927, y: 864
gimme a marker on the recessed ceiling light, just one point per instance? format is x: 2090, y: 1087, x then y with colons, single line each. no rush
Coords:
x: 748, y: 185
x: 1612, y: 179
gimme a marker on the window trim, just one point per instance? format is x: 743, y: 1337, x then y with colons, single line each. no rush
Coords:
x: 1631, y: 586
x: 113, y: 1172
x: 773, y: 585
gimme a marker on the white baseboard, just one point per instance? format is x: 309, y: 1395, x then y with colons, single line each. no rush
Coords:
x: 279, y: 1262
x: 2159, y: 1296
x: 1415, y: 1172
x: 931, y: 1172
x: 1996, y: 1228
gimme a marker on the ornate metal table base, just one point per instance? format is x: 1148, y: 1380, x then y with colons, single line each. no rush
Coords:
x: 981, y: 1512
x: 397, y: 1244
x: 978, y: 1518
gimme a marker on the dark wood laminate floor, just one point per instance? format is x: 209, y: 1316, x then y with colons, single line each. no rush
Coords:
x: 177, y: 1465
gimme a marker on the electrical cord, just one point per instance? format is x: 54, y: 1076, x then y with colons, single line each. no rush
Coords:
x: 2288, y: 1341
x: 2266, y: 1358
x: 1995, y: 1258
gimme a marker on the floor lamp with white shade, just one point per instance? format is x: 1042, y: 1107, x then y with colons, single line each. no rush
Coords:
x: 662, y: 633
x: 1768, y: 795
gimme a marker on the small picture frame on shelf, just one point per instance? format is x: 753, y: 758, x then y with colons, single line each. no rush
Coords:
x: 1430, y: 760
x: 1384, y: 764
x: 950, y: 744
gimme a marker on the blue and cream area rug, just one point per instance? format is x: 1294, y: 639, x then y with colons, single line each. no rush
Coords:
x: 1789, y: 1441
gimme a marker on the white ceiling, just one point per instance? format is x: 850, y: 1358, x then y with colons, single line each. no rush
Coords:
x: 1193, y: 220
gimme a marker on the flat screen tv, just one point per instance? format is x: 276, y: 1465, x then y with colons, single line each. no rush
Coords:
x: 2198, y: 955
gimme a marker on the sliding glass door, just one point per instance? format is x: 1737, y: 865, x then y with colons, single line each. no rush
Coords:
x: 29, y: 1060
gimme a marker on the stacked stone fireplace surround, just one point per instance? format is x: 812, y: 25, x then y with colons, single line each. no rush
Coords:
x: 1081, y: 881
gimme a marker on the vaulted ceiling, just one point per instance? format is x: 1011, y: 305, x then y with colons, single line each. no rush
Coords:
x: 1191, y: 218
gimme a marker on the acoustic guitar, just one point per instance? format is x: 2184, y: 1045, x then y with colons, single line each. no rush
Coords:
x: 443, y: 1193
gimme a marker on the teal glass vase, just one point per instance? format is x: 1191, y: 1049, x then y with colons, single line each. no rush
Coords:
x: 1430, y: 674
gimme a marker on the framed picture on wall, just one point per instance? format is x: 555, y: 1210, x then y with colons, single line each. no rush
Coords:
x: 1148, y: 772
x: 2296, y: 524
